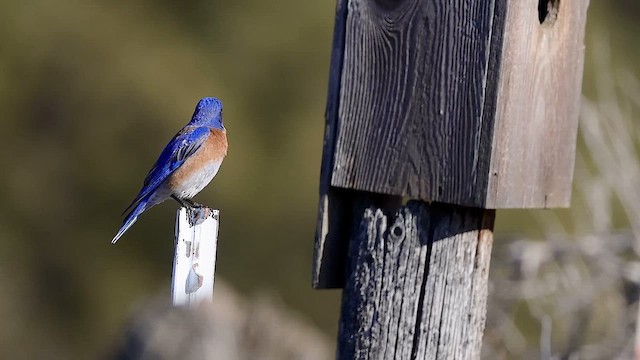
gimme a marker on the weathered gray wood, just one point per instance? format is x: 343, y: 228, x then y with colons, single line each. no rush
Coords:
x: 338, y: 208
x: 336, y: 204
x: 330, y: 248
x: 538, y: 101
x: 465, y: 102
x: 411, y: 99
x: 417, y: 284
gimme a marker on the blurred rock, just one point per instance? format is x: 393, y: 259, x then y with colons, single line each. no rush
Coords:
x: 230, y: 328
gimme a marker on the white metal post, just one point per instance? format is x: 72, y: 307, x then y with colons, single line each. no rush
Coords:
x: 194, y: 263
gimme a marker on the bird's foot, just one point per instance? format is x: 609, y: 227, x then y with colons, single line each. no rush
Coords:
x: 188, y: 203
x: 185, y: 203
x: 193, y: 204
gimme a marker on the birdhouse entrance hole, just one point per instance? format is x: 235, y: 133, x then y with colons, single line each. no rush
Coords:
x: 548, y: 11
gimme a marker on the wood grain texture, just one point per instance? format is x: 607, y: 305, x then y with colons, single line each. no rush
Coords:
x: 538, y: 101
x: 343, y: 211
x: 331, y: 240
x: 417, y: 284
x: 412, y: 98
x: 463, y: 102
x: 466, y: 102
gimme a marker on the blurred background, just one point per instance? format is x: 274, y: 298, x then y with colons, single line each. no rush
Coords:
x: 91, y: 91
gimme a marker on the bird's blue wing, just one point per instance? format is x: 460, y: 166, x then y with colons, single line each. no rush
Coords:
x: 183, y: 145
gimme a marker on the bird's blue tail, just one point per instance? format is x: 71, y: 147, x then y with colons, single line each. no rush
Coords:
x: 131, y: 218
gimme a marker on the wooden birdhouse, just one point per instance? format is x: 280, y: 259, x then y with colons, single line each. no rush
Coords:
x: 474, y: 104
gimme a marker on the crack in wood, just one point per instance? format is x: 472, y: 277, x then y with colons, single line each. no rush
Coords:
x: 403, y: 295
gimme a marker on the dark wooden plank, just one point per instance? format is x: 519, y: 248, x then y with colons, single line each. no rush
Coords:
x: 538, y: 101
x: 417, y: 284
x: 466, y: 102
x: 412, y: 98
x: 336, y: 204
x: 335, y: 230
x: 329, y: 255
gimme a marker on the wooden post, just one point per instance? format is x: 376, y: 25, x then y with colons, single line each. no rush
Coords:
x: 418, y: 283
x: 472, y: 104
x: 194, y: 264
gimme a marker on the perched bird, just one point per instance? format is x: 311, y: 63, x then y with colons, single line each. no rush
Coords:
x: 186, y: 165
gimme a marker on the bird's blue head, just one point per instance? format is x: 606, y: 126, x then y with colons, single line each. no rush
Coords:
x: 208, y: 113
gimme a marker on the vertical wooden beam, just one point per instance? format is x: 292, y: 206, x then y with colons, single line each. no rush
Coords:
x: 194, y: 263
x: 333, y: 217
x: 418, y: 283
x: 470, y: 103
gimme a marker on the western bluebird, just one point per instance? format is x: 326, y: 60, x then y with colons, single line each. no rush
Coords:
x: 186, y: 165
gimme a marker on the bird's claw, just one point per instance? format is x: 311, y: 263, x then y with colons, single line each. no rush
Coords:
x: 188, y: 203
x: 193, y: 204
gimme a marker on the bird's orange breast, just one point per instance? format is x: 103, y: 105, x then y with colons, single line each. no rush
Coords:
x: 212, y: 151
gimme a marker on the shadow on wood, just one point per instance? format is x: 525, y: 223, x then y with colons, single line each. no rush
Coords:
x: 469, y: 103
x: 417, y: 285
x: 472, y: 103
x: 338, y: 209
